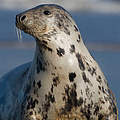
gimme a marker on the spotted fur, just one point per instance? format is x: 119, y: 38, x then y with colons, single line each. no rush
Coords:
x: 64, y: 82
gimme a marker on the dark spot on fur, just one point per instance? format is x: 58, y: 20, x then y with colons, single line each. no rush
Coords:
x: 56, y: 81
x: 34, y: 83
x: 71, y: 97
x: 86, y: 80
x: 52, y: 33
x: 96, y: 110
x: 40, y: 66
x: 46, y: 105
x: 31, y: 113
x: 99, y: 79
x: 92, y: 70
x: 79, y: 38
x: 53, y: 74
x: 46, y: 47
x: 80, y: 101
x: 115, y: 109
x: 60, y: 52
x: 100, y: 117
x: 72, y: 49
x: 35, y: 91
x: 31, y: 103
x: 76, y: 29
x: 80, y: 62
x: 44, y: 42
x: 45, y: 116
x: 88, y: 93
x: 39, y: 84
x: 49, y: 49
x: 59, y: 25
x: 66, y: 30
x: 84, y: 77
x: 72, y: 76
x: 99, y: 87
x: 52, y: 87
x: 86, y: 112
x: 103, y: 89
x: 49, y: 98
x: 62, y: 23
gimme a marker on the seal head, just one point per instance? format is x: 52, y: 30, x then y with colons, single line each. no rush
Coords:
x: 43, y: 19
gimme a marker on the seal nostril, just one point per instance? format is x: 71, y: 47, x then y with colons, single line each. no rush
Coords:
x: 22, y: 18
x: 17, y: 18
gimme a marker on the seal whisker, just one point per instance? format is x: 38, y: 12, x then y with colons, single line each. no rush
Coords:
x: 19, y: 34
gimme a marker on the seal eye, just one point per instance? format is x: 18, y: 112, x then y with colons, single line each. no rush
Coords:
x: 46, y: 12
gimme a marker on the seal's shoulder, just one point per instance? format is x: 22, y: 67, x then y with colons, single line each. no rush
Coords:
x: 15, y: 72
x: 13, y: 79
x: 10, y: 85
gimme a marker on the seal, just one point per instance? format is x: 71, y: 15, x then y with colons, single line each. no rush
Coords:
x: 63, y: 82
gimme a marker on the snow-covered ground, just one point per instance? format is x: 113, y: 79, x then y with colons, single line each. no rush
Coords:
x: 104, y: 6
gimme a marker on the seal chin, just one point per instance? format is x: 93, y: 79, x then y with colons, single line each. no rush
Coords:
x: 25, y: 29
x: 21, y: 27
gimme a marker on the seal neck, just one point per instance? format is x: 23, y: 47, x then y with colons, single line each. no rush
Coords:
x: 47, y: 58
x: 62, y: 57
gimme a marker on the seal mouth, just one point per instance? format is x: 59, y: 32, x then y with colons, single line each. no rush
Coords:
x: 23, y: 28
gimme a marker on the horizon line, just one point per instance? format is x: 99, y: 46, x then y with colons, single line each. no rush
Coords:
x: 31, y: 45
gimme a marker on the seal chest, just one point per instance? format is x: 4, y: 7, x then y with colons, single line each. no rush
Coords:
x: 64, y: 82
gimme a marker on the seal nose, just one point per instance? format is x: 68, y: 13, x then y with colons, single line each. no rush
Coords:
x: 17, y: 18
x: 20, y: 18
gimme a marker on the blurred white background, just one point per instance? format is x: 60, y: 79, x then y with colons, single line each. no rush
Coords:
x: 109, y: 6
